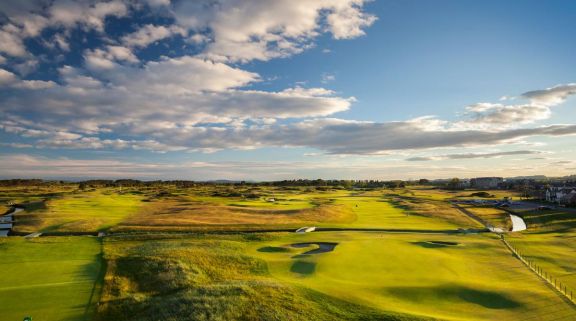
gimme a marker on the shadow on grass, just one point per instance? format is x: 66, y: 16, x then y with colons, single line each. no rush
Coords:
x: 303, y: 267
x: 273, y: 249
x: 486, y: 299
x: 435, y: 244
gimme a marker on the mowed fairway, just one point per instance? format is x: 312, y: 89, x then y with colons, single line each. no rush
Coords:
x: 376, y: 212
x: 469, y: 277
x: 49, y: 278
x: 80, y: 212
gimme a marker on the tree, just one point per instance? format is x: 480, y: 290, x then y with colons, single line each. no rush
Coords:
x: 454, y: 183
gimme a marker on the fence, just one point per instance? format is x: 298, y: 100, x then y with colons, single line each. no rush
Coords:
x: 561, y: 288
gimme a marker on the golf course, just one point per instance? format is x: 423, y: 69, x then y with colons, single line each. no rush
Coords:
x: 223, y: 252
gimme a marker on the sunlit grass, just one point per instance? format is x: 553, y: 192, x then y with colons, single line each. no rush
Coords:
x: 80, y: 212
x: 49, y: 279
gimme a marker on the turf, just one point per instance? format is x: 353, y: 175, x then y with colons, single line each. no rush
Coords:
x: 49, y: 279
x: 80, y: 212
x: 209, y: 279
x: 469, y: 278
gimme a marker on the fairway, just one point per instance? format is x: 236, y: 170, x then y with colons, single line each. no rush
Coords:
x: 49, y: 279
x: 80, y: 212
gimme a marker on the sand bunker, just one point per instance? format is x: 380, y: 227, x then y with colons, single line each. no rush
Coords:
x: 323, y: 247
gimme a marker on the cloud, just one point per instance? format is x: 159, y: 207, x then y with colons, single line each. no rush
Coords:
x: 205, y: 108
x: 489, y: 114
x: 148, y: 34
x: 348, y: 21
x: 473, y: 155
x: 326, y: 78
x: 551, y: 96
x: 10, y: 42
x: 190, y: 90
x: 209, y: 100
x: 250, y: 29
x: 10, y: 80
x: 106, y: 58
x: 27, y: 19
x: 89, y: 15
x: 22, y: 165
x: 497, y: 115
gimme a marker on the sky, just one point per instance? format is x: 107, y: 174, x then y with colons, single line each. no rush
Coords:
x: 282, y: 89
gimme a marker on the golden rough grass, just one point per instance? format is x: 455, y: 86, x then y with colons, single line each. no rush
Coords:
x: 175, y: 214
x: 494, y: 216
x: 434, y: 209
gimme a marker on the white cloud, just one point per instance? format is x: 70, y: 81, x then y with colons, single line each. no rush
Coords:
x: 244, y: 30
x: 347, y: 21
x: 106, y: 58
x: 551, y: 96
x: 490, y: 115
x: 474, y: 155
x: 148, y: 34
x: 6, y: 77
x: 27, y: 19
x: 9, y: 79
x: 327, y: 77
x: 10, y: 42
x: 188, y: 90
x: 71, y: 13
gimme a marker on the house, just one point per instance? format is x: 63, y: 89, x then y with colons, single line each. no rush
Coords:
x: 486, y: 182
x: 560, y: 195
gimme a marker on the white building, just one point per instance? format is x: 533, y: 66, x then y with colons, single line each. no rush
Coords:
x: 560, y: 194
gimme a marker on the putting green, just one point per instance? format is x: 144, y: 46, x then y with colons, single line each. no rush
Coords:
x: 49, y: 279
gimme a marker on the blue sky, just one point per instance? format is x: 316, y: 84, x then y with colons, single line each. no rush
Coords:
x: 234, y: 89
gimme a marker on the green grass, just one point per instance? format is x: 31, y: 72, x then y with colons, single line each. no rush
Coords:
x: 372, y: 211
x: 367, y: 275
x: 477, y: 279
x: 80, y: 212
x: 552, y: 252
x: 370, y: 276
x: 209, y: 279
x: 549, y: 242
x: 49, y: 278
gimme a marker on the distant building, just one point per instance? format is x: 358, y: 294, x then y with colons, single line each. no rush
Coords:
x: 486, y: 182
x: 561, y: 195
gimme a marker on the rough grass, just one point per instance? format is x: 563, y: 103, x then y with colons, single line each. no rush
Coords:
x: 177, y: 214
x: 25, y: 194
x: 208, y: 279
x: 79, y: 212
x: 493, y: 216
x: 433, y: 209
x: 558, y: 219
x: 49, y: 279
